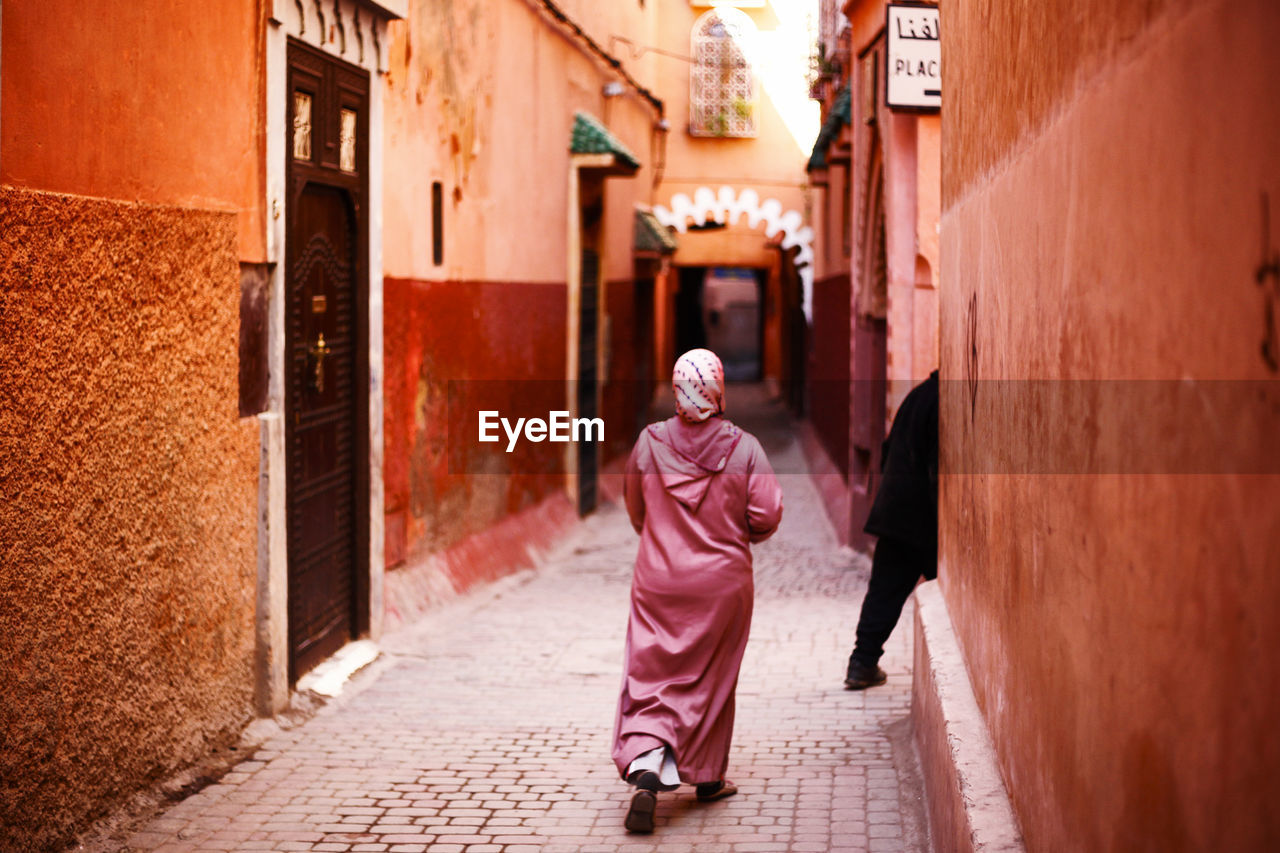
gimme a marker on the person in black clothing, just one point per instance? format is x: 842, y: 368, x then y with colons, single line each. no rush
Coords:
x: 904, y: 516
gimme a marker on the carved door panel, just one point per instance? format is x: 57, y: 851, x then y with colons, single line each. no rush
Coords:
x: 326, y: 346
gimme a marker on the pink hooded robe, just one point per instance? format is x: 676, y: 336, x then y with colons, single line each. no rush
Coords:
x: 698, y: 494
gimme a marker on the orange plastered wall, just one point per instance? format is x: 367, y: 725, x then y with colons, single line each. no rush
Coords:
x: 772, y: 160
x: 119, y: 100
x: 480, y: 96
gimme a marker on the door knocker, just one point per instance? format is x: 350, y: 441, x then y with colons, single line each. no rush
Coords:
x: 318, y: 351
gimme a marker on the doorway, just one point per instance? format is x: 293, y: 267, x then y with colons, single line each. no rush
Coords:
x: 720, y: 308
x: 326, y: 355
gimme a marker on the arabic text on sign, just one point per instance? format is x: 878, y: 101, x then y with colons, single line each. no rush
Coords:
x: 920, y: 29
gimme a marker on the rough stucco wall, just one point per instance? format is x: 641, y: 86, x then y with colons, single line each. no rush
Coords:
x: 1102, y: 220
x: 89, y: 89
x: 128, y: 526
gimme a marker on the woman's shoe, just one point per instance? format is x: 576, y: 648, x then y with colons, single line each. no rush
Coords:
x: 640, y: 814
x: 711, y: 791
x: 646, y: 780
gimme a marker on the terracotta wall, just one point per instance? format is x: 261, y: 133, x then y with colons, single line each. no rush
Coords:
x: 128, y: 527
x: 137, y: 102
x: 129, y: 188
x: 481, y: 97
x: 1109, y: 556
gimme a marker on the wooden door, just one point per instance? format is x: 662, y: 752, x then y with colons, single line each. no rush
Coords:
x: 326, y: 352
x: 588, y: 377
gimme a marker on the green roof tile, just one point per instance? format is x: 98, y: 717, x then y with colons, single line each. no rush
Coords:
x: 591, y: 137
x: 652, y: 236
x: 841, y: 114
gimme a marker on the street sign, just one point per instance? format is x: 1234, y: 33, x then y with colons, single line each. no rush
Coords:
x: 913, y: 60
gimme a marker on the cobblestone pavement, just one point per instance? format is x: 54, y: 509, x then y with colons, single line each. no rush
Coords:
x: 486, y: 727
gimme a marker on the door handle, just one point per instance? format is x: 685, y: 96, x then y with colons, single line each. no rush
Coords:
x: 318, y: 351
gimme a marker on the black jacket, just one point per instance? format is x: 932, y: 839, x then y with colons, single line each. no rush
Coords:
x: 906, y: 504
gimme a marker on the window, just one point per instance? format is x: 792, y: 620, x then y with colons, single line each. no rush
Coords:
x: 722, y: 84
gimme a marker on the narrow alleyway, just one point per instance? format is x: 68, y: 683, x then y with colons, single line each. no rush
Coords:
x: 486, y: 727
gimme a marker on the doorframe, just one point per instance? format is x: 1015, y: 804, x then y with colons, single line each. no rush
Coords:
x: 583, y: 167
x: 356, y: 32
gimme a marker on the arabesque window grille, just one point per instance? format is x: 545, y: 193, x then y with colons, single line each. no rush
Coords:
x: 722, y: 82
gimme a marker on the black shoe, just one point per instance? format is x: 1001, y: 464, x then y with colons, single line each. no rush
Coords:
x: 860, y: 676
x: 645, y: 780
x: 711, y: 791
x: 640, y: 815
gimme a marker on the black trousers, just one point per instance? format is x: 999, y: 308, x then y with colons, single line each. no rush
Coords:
x: 896, y: 567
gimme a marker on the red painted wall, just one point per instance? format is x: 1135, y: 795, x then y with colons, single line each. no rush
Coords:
x: 493, y: 345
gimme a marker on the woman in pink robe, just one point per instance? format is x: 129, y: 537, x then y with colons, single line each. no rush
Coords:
x: 698, y: 490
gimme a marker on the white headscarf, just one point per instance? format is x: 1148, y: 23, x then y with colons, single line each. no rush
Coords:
x: 698, y: 382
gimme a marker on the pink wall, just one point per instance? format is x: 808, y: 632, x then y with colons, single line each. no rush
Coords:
x: 1102, y: 220
x: 891, y: 334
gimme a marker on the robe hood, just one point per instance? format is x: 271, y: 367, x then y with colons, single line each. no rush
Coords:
x: 688, y: 455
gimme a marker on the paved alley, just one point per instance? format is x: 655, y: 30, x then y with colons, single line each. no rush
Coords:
x: 486, y: 727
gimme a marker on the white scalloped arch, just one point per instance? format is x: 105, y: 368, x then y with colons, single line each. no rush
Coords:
x: 726, y: 207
